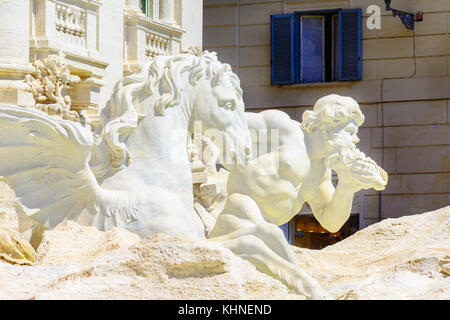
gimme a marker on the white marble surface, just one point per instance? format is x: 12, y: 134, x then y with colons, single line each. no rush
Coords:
x: 140, y: 177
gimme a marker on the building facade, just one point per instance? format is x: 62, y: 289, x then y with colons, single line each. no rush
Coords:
x: 102, y: 41
x: 403, y: 87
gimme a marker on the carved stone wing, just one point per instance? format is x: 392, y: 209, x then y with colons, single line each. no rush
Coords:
x: 45, y: 160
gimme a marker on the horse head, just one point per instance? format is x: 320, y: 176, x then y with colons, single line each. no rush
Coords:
x: 218, y: 109
x: 199, y: 87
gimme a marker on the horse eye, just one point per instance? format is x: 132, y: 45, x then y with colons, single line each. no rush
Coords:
x: 229, y: 105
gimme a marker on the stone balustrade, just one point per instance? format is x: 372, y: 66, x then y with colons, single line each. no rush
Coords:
x: 70, y: 24
x: 156, y: 45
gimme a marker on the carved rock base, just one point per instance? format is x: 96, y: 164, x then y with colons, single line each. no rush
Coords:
x: 118, y: 265
x: 404, y: 258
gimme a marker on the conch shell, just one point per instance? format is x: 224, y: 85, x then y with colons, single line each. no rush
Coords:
x: 362, y: 169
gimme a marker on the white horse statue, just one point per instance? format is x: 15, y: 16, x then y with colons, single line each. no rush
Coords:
x: 136, y: 173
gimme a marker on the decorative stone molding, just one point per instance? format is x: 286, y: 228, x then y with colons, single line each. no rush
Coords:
x: 71, y: 26
x: 50, y: 76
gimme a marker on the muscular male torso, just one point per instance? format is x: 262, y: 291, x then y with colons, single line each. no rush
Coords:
x: 274, y: 179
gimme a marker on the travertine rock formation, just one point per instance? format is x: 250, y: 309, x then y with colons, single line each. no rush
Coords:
x: 77, y: 262
x: 404, y: 258
x: 71, y: 243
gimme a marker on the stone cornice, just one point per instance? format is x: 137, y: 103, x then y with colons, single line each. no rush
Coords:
x: 91, y: 4
x: 15, y: 68
x: 146, y: 24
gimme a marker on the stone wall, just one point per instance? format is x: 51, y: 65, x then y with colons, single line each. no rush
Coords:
x: 404, y: 92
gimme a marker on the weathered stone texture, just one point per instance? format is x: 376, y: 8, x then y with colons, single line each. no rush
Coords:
x: 404, y: 258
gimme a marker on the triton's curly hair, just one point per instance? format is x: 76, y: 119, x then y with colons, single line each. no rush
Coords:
x: 332, y: 111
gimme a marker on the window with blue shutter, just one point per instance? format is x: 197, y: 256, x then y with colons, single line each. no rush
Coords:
x: 349, y: 45
x: 282, y: 48
x: 316, y: 46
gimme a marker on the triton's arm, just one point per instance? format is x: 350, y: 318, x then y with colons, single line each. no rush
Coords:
x: 331, y: 206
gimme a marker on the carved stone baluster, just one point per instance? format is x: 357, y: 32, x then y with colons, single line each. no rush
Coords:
x: 152, y: 45
x: 82, y: 29
x: 166, y: 46
x: 155, y: 45
x: 65, y: 26
x: 58, y: 20
x: 161, y: 45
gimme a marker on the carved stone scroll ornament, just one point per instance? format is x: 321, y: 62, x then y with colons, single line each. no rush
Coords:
x: 50, y: 76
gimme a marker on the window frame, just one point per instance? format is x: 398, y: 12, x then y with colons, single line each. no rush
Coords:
x: 332, y: 46
x: 148, y: 8
x: 331, y: 71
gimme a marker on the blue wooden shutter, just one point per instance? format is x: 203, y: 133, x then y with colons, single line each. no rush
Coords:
x: 282, y: 28
x: 350, y: 45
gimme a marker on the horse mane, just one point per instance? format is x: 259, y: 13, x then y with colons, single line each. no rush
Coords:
x: 162, y: 76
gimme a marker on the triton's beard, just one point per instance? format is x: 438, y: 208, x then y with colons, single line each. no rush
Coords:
x: 361, y: 168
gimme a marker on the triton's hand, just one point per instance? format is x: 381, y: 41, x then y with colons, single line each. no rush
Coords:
x: 357, y: 171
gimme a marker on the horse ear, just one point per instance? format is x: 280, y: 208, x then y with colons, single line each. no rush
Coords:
x: 195, y: 75
x: 215, y: 81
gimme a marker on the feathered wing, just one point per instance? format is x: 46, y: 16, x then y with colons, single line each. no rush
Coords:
x: 45, y: 160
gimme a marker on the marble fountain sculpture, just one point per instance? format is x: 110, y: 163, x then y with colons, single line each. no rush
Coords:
x: 135, y: 173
